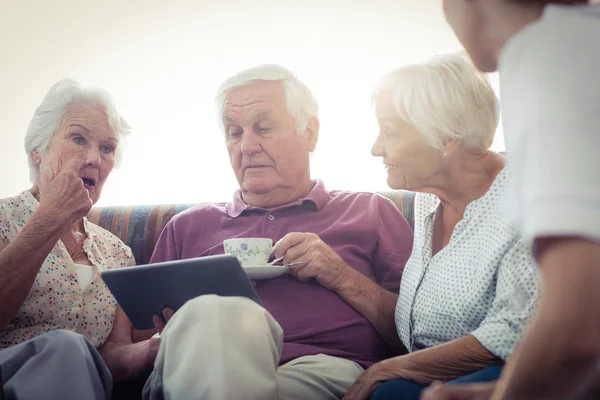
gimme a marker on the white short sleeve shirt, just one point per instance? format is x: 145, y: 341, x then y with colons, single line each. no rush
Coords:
x: 484, y: 282
x: 550, y: 86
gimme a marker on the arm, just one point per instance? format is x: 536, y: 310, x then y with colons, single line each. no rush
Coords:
x: 21, y: 260
x: 555, y: 154
x: 372, y: 302
x: 320, y: 262
x: 126, y: 359
x: 515, y: 298
x: 376, y: 301
x: 560, y: 353
x: 444, y: 362
x: 63, y: 200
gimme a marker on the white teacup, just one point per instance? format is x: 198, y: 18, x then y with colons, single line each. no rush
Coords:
x: 249, y: 251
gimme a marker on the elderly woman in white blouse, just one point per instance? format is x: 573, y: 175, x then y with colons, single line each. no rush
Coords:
x: 51, y: 293
x: 470, y: 286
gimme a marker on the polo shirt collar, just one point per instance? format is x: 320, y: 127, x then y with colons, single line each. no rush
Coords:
x: 317, y: 198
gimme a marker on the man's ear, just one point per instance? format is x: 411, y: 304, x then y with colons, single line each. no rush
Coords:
x: 35, y: 157
x: 312, y: 133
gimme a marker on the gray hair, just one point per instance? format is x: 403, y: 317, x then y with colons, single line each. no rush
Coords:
x: 445, y: 98
x: 50, y: 113
x: 300, y: 102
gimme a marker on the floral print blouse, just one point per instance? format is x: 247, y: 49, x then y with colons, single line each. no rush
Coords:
x: 56, y: 299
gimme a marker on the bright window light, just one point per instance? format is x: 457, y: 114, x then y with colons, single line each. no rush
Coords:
x: 163, y: 61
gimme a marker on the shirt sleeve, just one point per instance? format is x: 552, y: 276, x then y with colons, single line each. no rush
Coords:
x: 122, y: 254
x: 514, y: 302
x: 166, y: 249
x: 130, y: 257
x: 552, y: 125
x: 394, y: 244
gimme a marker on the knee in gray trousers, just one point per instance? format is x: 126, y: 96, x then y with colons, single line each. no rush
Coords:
x: 57, y: 365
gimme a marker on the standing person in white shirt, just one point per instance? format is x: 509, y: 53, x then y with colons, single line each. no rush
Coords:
x: 548, y: 56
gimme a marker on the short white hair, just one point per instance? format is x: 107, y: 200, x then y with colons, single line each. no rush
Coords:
x: 300, y: 102
x: 50, y: 113
x: 445, y: 98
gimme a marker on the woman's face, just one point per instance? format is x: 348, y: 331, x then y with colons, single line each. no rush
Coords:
x: 83, y: 134
x: 411, y: 162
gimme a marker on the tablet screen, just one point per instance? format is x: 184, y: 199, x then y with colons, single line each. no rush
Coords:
x: 143, y: 291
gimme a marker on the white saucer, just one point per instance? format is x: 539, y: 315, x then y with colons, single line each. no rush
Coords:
x: 265, y: 271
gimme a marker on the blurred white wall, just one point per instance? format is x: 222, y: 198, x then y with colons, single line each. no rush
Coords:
x: 163, y: 61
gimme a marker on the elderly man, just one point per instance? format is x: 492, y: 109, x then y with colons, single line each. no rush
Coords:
x: 328, y: 320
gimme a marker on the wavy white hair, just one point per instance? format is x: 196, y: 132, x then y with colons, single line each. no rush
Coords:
x: 50, y: 113
x: 445, y: 98
x: 300, y: 102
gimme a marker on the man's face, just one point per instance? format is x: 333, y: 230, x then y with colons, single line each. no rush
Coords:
x: 264, y: 149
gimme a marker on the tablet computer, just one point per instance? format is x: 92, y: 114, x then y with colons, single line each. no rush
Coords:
x: 143, y: 291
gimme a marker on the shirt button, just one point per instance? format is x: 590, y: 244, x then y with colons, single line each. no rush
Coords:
x: 271, y: 217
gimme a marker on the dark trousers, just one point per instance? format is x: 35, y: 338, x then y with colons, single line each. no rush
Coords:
x: 402, y: 389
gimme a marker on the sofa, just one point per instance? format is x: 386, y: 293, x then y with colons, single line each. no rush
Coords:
x: 140, y: 226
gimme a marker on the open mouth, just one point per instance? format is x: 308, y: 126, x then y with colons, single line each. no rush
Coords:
x: 390, y: 167
x: 88, y: 183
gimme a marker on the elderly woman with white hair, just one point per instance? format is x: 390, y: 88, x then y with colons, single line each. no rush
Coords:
x: 54, y: 307
x: 470, y: 285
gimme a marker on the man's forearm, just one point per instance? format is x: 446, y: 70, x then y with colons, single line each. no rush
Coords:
x: 558, y: 356
x: 374, y: 303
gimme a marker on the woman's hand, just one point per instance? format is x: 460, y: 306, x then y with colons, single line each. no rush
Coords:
x: 126, y: 359
x: 63, y: 194
x: 366, y: 383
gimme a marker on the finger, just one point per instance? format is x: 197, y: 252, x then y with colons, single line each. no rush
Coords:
x: 290, y: 240
x: 302, y: 272
x: 73, y: 166
x: 276, y: 246
x: 300, y: 252
x: 168, y: 313
x: 159, y: 323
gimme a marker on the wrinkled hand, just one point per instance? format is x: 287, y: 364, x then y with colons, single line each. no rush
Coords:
x: 144, y: 353
x: 365, y: 385
x: 475, y: 391
x: 319, y: 261
x: 126, y: 359
x: 362, y: 388
x: 63, y: 194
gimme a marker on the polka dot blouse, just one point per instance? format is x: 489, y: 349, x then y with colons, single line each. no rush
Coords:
x: 57, y: 300
x: 483, y: 283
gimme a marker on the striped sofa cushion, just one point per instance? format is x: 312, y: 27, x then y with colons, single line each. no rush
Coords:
x: 140, y: 226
